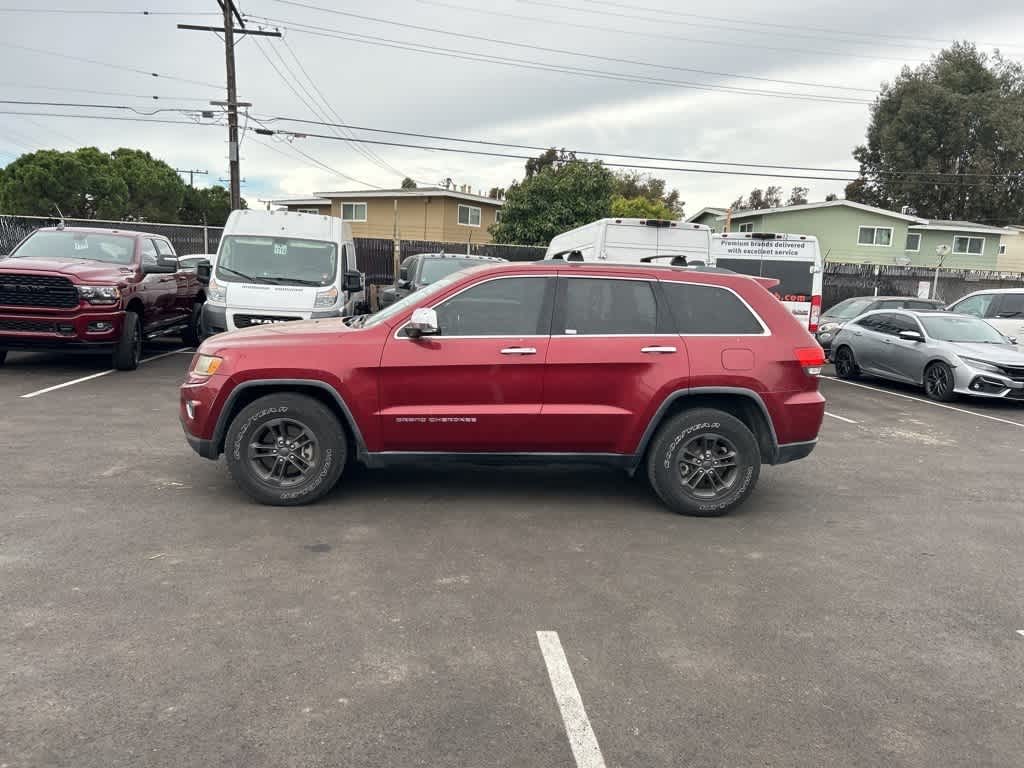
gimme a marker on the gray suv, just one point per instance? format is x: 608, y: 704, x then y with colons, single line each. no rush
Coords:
x: 948, y: 354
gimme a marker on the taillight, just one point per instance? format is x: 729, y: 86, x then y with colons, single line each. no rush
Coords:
x: 811, y: 359
x: 812, y: 322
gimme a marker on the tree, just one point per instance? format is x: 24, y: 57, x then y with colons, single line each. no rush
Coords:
x: 633, y: 184
x: 155, y: 190
x: 960, y: 115
x: 640, y: 207
x: 550, y: 158
x: 408, y: 183
x: 556, y: 196
x: 759, y: 199
x: 209, y: 205
x: 831, y: 197
x: 798, y: 196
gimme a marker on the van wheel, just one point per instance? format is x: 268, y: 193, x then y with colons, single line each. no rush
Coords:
x: 128, y: 350
x: 285, y: 449
x: 193, y: 333
x: 703, y: 462
x: 846, y: 366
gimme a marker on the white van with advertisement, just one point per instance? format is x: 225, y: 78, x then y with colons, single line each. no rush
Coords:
x: 794, y: 260
x: 633, y: 241
x: 277, y: 266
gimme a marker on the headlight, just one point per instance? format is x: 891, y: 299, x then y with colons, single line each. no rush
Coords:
x: 982, y: 365
x: 216, y: 293
x: 99, y: 294
x: 326, y: 298
x: 830, y: 327
x: 207, y: 365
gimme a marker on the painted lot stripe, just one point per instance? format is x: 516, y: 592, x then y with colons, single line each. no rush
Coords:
x: 1020, y: 632
x: 841, y: 418
x: 97, y: 375
x: 927, y: 402
x: 577, y: 726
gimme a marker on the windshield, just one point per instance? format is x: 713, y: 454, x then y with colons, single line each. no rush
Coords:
x: 434, y: 269
x: 849, y: 309
x: 277, y: 260
x: 962, y: 329
x: 61, y: 244
x: 412, y: 299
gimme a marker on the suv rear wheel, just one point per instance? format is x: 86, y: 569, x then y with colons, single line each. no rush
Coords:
x: 285, y: 449
x: 703, y: 462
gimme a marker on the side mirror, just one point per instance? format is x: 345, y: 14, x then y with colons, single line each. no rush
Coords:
x: 404, y: 284
x: 403, y: 275
x: 423, y: 323
x: 353, y: 282
x: 204, y: 270
x: 162, y: 265
x: 911, y: 336
x: 1012, y: 339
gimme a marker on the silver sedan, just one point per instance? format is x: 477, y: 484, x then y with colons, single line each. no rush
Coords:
x: 947, y: 354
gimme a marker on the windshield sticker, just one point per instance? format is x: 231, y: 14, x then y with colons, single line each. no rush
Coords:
x: 280, y: 249
x: 81, y: 245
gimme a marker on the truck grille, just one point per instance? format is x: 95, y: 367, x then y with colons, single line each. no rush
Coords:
x: 29, y: 326
x: 244, y: 321
x: 37, y: 291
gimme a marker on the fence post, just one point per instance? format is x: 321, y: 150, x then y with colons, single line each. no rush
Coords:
x: 206, y: 239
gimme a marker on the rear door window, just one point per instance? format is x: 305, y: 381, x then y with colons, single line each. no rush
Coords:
x: 978, y: 306
x: 1011, y: 305
x: 608, y: 307
x: 709, y: 310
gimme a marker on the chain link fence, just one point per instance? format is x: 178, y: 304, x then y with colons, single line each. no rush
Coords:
x: 187, y: 239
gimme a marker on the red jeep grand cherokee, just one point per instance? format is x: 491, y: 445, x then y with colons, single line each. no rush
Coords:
x: 697, y: 376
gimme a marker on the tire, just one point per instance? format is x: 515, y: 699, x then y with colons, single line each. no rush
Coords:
x: 128, y: 350
x: 266, y: 469
x: 939, y: 382
x: 672, y: 462
x: 846, y: 364
x: 192, y: 336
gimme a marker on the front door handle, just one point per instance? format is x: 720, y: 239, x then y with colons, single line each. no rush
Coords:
x: 519, y: 351
x: 658, y: 350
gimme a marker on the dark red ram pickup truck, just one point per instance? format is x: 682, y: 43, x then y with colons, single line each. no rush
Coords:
x: 108, y: 290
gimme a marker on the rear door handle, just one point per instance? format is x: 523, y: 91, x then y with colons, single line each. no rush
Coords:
x: 519, y: 351
x: 658, y: 350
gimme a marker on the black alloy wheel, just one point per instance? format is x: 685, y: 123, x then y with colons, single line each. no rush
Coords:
x: 284, y: 453
x: 938, y: 382
x: 708, y: 467
x: 846, y: 366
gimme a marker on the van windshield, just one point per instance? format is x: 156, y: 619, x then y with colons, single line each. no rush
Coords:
x: 276, y: 260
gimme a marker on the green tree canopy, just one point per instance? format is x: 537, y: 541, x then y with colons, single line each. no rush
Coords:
x: 640, y: 207
x: 209, y: 205
x: 961, y: 114
x: 408, y: 183
x: 760, y: 199
x: 155, y: 190
x: 633, y: 184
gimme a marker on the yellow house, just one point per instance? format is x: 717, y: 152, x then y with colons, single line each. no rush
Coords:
x: 432, y: 213
x: 1011, y: 250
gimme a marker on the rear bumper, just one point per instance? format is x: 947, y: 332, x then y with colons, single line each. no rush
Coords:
x: 67, y: 329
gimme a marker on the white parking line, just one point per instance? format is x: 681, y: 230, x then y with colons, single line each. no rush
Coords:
x: 926, y: 402
x: 97, y: 375
x: 577, y: 726
x: 1020, y: 632
x: 841, y: 418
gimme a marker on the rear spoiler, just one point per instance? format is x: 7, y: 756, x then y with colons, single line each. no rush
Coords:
x: 766, y: 282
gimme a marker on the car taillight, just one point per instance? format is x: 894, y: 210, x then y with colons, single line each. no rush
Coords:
x: 811, y: 359
x: 812, y: 322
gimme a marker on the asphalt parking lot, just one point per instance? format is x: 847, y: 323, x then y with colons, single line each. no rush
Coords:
x: 863, y: 609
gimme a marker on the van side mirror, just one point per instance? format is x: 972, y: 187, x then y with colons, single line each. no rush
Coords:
x: 353, y: 282
x: 911, y: 336
x: 422, y: 323
x: 204, y: 269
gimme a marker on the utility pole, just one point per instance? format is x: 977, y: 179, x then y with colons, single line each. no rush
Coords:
x: 229, y: 30
x: 191, y: 174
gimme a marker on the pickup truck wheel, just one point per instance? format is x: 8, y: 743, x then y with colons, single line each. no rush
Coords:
x: 703, y: 462
x: 193, y: 333
x: 128, y: 350
x: 286, y: 449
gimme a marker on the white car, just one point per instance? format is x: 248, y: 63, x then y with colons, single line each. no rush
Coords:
x: 1002, y: 308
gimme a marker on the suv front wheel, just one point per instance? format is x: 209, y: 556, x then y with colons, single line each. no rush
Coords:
x: 703, y: 462
x: 286, y: 449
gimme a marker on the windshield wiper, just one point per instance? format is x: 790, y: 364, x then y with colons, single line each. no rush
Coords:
x: 293, y: 281
x: 236, y: 273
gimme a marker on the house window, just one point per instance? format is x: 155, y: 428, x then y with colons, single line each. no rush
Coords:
x: 469, y: 216
x: 306, y: 210
x: 1002, y: 249
x: 747, y: 226
x: 353, y: 211
x: 913, y: 242
x: 880, y: 236
x: 973, y: 246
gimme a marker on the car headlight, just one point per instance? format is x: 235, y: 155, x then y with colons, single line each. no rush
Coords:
x: 207, y: 365
x: 216, y: 293
x: 982, y: 365
x: 326, y: 298
x: 830, y: 327
x: 99, y: 294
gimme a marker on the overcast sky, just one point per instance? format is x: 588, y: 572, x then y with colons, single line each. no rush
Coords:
x: 845, y: 44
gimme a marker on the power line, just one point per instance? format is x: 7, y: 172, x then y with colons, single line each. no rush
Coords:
x: 94, y: 106
x: 560, y: 51
x: 122, y: 94
x: 106, y: 117
x: 96, y: 12
x: 562, y: 69
x: 870, y: 36
x: 311, y: 159
x: 6, y: 44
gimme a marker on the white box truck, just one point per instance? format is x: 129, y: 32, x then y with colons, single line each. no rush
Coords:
x: 632, y: 240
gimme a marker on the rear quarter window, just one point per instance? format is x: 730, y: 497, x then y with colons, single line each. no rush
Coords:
x: 709, y: 309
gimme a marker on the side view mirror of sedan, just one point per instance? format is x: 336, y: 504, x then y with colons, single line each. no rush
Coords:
x: 911, y: 336
x: 1012, y: 339
x: 422, y: 323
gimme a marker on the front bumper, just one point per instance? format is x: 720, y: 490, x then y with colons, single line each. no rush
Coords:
x: 79, y: 328
x: 218, y: 318
x: 977, y: 383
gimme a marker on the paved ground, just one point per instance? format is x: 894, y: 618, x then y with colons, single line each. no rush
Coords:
x: 861, y: 610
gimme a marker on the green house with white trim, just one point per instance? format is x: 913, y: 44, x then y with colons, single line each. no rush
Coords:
x: 854, y: 233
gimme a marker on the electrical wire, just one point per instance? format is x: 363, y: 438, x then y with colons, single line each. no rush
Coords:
x: 107, y: 117
x: 78, y: 105
x: 96, y: 12
x: 312, y: 159
x: 122, y: 94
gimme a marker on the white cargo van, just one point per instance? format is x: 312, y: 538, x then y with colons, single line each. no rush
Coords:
x: 632, y: 241
x: 794, y: 260
x: 276, y: 266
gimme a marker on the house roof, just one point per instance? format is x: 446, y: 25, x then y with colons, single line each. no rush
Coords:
x: 421, y: 192
x: 702, y: 211
x: 829, y: 204
x: 943, y: 225
x: 296, y: 201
